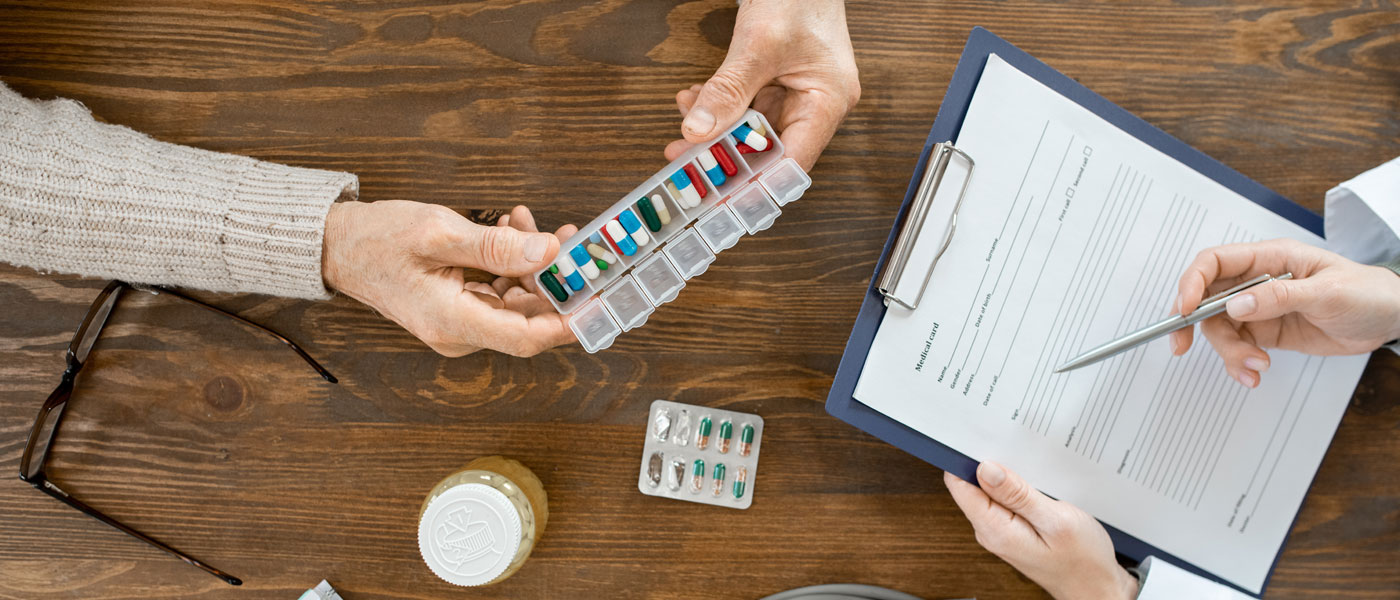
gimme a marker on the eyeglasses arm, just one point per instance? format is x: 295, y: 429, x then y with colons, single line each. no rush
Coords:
x: 214, y: 309
x: 48, y: 487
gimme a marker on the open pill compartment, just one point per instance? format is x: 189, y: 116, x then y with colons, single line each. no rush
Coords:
x: 700, y: 454
x: 647, y: 244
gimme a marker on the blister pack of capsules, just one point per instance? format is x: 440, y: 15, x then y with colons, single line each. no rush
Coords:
x: 613, y: 274
x: 701, y: 454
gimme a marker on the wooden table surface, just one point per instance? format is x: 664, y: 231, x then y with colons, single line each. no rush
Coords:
x: 206, y: 436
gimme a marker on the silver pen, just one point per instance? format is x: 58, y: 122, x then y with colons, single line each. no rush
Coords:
x: 1209, y: 307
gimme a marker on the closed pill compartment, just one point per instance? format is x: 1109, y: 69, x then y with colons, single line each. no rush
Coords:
x: 658, y: 279
x: 594, y: 326
x: 627, y: 303
x: 753, y: 208
x: 785, y: 181
x: 720, y: 229
x: 689, y: 254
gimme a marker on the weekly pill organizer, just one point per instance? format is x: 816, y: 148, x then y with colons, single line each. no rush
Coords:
x: 613, y: 274
x: 700, y: 454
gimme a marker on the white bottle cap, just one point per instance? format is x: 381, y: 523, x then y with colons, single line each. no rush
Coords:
x: 469, y: 534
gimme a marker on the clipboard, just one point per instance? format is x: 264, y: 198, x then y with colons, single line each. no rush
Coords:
x: 893, y: 266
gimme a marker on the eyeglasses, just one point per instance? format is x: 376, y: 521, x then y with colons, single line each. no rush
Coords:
x: 41, y: 436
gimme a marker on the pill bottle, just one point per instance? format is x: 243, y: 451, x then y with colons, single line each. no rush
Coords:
x: 478, y: 525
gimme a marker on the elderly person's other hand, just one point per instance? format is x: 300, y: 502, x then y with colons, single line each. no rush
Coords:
x: 792, y: 60
x: 409, y: 261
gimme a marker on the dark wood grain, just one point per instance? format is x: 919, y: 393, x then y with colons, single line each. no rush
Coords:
x: 226, y: 446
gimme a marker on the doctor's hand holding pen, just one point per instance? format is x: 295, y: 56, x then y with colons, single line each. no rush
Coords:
x: 1332, y: 306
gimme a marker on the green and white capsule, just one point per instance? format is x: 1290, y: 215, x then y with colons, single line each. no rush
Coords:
x: 726, y: 433
x: 702, y: 439
x: 740, y: 478
x: 719, y: 479
x: 746, y: 440
x: 697, y: 476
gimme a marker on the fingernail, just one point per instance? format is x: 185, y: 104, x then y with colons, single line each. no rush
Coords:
x: 1176, y: 345
x: 535, y: 247
x: 1256, y: 364
x: 1245, y: 379
x: 993, y: 474
x: 1242, y: 305
x: 1176, y: 308
x: 699, y: 121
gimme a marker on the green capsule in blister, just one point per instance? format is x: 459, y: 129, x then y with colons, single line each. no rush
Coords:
x: 702, y: 437
x: 719, y: 479
x: 740, y: 479
x: 697, y: 476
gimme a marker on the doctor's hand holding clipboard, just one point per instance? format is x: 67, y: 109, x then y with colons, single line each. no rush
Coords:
x: 1332, y: 306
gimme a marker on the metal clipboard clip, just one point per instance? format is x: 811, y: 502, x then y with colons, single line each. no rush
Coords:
x: 903, y: 258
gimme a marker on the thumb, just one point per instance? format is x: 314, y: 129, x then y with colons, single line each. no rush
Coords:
x: 725, y: 97
x: 503, y: 251
x: 1273, y: 300
x: 1008, y: 489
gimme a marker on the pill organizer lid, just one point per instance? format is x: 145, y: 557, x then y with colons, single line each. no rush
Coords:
x: 469, y: 534
x: 594, y: 326
x: 659, y: 279
x: 627, y: 303
x: 720, y: 228
x: 785, y: 181
x: 690, y: 254
x: 753, y: 208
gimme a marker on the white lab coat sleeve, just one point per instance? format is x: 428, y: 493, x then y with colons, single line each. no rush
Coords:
x: 1362, y: 217
x: 1161, y: 580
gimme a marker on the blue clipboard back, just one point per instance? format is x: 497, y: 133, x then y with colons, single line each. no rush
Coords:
x: 981, y: 43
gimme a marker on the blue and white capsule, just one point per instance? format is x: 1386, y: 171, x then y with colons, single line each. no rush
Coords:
x: 744, y: 135
x: 634, y: 228
x: 619, y: 236
x: 688, y: 196
x: 570, y: 274
x: 584, y: 262
x: 712, y: 169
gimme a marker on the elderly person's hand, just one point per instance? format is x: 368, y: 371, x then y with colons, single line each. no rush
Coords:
x: 792, y: 60
x: 1055, y: 544
x: 1331, y: 306
x: 409, y: 261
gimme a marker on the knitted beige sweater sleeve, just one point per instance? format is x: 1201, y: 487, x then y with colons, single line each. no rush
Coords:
x: 99, y: 200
